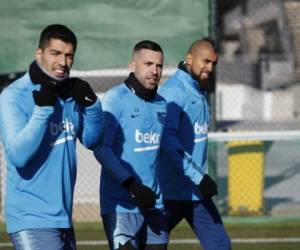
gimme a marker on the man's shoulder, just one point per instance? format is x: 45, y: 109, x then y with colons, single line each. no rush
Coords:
x: 174, y: 86
x: 175, y: 81
x: 19, y: 86
x: 115, y: 95
x: 118, y: 90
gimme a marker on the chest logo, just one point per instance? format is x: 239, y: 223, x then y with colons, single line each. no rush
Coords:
x: 161, y: 117
x: 150, y: 137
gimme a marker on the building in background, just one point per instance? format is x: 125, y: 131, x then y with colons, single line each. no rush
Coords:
x: 259, y: 66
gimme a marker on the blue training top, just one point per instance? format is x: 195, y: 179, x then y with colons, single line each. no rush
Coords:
x: 184, y: 142
x: 132, y: 133
x: 40, y: 148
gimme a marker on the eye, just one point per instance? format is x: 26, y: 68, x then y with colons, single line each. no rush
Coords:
x: 70, y: 56
x: 55, y: 53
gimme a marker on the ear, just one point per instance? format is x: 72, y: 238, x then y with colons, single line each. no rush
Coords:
x: 189, y: 59
x: 131, y: 66
x: 38, y: 55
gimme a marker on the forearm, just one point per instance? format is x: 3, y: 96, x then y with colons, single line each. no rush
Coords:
x: 111, y: 163
x: 178, y: 157
x: 191, y: 169
x: 21, y: 145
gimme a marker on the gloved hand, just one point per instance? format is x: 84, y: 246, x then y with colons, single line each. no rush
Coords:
x: 142, y: 195
x: 45, y: 96
x: 82, y: 92
x: 208, y: 187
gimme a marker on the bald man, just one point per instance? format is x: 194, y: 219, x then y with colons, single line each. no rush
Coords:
x: 187, y: 189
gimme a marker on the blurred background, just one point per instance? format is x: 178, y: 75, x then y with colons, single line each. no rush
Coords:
x: 254, y: 140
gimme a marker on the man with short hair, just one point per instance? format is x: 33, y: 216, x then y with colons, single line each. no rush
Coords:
x: 41, y: 116
x: 186, y: 188
x: 131, y: 204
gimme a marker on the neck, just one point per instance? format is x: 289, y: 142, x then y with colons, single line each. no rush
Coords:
x: 53, y: 77
x: 183, y: 66
x: 39, y: 75
x: 138, y: 89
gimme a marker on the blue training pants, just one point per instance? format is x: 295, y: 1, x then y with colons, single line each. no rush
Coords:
x: 204, y: 219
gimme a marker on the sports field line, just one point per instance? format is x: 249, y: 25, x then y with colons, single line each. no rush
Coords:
x: 188, y: 241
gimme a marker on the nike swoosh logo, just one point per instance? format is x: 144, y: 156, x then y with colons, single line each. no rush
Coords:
x: 134, y: 116
x: 193, y: 102
x: 87, y: 99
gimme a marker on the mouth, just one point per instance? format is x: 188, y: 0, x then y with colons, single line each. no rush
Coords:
x: 61, y: 73
x: 205, y: 75
x: 152, y: 80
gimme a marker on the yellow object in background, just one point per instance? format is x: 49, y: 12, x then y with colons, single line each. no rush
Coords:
x: 245, y: 177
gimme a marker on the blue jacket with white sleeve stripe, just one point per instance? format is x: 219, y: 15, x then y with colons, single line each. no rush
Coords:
x: 184, y: 141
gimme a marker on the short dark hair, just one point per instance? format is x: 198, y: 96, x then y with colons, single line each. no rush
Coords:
x: 147, y: 44
x: 57, y: 31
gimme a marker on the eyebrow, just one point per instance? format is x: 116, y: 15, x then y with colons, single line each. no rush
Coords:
x: 60, y: 52
x: 208, y: 60
x: 149, y: 61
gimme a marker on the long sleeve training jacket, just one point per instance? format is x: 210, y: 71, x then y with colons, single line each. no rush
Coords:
x: 40, y: 149
x: 131, y: 139
x: 184, y: 142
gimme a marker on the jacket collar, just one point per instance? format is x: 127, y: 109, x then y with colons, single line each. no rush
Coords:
x: 138, y: 89
x: 183, y: 73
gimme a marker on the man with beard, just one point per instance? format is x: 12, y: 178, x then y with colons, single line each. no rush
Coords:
x: 186, y: 188
x: 42, y: 115
x: 130, y: 197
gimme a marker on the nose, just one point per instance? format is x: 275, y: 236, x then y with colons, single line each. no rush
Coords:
x: 156, y: 70
x: 62, y: 61
x: 209, y: 67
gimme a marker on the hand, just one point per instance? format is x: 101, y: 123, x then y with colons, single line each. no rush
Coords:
x: 142, y: 195
x: 45, y: 96
x: 82, y: 92
x: 208, y: 187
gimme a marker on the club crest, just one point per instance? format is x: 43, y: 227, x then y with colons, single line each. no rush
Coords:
x: 161, y: 117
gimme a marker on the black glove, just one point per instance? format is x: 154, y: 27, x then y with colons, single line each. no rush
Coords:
x: 208, y: 187
x: 142, y: 195
x: 45, y: 96
x: 82, y: 92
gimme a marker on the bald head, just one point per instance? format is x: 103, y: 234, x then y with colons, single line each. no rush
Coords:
x: 201, y: 60
x: 200, y: 45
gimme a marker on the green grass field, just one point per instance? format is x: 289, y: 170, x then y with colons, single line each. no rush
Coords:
x: 283, y: 231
